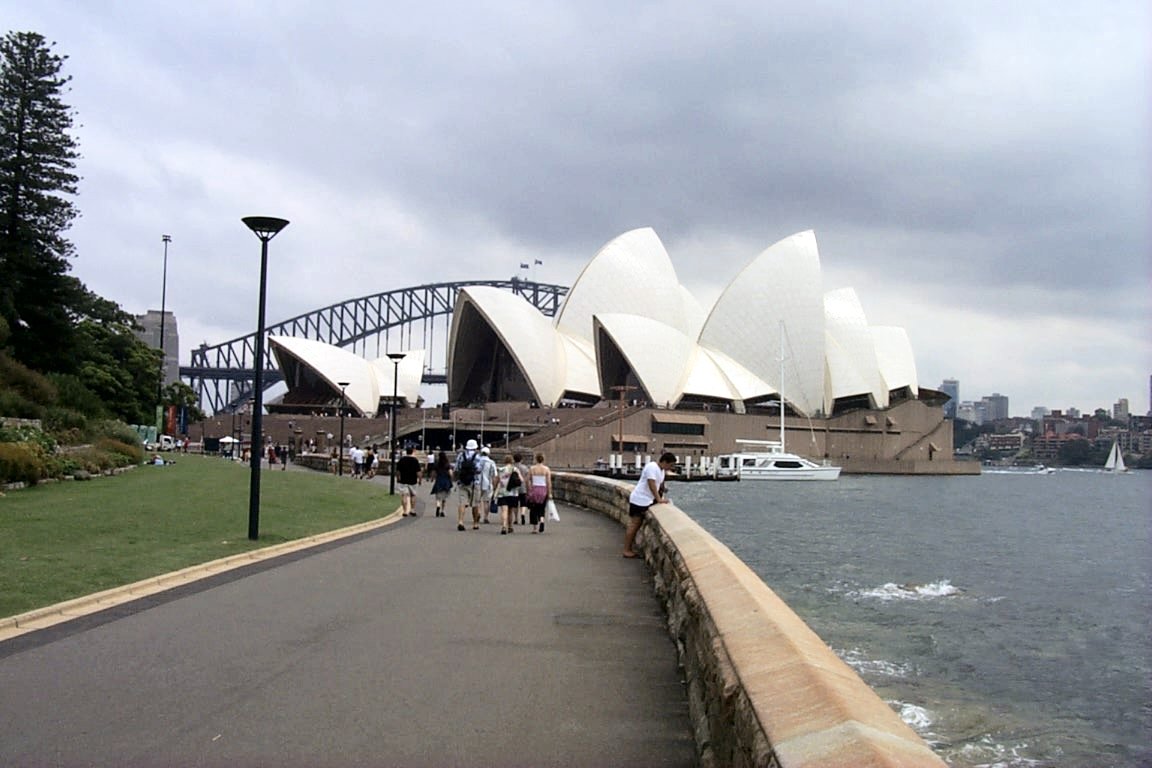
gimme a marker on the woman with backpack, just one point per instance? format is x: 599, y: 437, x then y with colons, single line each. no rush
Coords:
x: 508, y: 485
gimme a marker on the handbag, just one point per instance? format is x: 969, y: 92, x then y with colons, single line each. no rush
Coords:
x: 551, y: 511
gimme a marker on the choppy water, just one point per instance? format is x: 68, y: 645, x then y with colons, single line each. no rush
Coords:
x: 1006, y: 617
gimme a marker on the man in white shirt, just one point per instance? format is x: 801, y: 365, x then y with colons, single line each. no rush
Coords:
x: 489, y: 476
x: 649, y: 490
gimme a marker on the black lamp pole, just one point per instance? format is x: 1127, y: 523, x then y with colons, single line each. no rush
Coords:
x: 343, y: 407
x: 265, y: 228
x: 163, y: 306
x: 395, y: 357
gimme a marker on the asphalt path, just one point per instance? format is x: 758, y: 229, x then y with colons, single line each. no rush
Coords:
x: 413, y: 645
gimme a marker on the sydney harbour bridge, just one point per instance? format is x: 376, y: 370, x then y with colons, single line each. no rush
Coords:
x: 222, y: 375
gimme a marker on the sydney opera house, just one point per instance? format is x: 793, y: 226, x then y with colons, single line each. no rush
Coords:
x: 652, y: 369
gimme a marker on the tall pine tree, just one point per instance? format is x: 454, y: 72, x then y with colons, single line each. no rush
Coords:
x: 38, y: 299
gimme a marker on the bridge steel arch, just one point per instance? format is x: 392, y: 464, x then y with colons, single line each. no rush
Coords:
x: 222, y: 375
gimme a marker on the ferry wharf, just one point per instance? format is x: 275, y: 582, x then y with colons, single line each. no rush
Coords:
x: 410, y: 643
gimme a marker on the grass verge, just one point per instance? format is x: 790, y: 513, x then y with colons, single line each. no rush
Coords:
x: 70, y: 539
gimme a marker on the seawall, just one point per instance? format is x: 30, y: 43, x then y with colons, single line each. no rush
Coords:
x: 763, y: 688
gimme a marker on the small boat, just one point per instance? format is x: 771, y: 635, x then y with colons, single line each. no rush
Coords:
x: 767, y: 460
x: 1115, y: 463
x: 1016, y: 469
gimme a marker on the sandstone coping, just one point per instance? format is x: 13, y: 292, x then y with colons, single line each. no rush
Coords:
x: 763, y: 688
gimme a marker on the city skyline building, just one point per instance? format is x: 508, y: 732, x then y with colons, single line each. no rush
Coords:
x: 951, y: 387
x: 150, y: 325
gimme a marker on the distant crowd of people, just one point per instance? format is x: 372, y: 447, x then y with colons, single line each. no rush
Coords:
x: 512, y: 492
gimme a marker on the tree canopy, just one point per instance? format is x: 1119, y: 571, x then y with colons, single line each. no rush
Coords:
x: 54, y: 324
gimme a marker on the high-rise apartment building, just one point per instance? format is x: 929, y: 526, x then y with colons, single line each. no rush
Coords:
x: 951, y: 387
x: 995, y: 407
x: 1120, y: 409
x: 150, y: 335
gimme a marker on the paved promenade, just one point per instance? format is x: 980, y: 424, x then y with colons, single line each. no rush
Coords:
x: 413, y: 645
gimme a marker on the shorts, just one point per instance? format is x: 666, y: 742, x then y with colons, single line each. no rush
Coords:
x: 469, y: 495
x: 635, y: 510
x: 407, y: 490
x: 486, y: 495
x: 512, y: 502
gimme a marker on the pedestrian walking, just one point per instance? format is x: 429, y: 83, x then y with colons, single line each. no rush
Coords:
x: 508, y: 494
x: 409, y: 471
x: 522, y: 510
x: 649, y: 490
x: 539, y: 491
x: 467, y: 474
x: 489, y: 474
x: 442, y: 484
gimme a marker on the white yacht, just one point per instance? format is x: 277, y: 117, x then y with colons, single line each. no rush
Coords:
x: 767, y: 460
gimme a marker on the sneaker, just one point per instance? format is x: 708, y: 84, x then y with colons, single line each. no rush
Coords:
x: 541, y: 526
x: 503, y: 531
x: 460, y: 526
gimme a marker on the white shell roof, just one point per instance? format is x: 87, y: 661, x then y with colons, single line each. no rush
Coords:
x: 894, y: 355
x: 657, y: 353
x: 631, y: 274
x: 772, y: 321
x: 851, y: 355
x: 528, y: 335
x: 781, y: 286
x: 368, y: 381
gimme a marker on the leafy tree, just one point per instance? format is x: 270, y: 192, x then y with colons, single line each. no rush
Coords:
x: 115, y: 365
x: 181, y: 395
x: 1075, y: 453
x: 37, y: 162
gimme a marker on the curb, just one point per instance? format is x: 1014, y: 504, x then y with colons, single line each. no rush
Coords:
x: 49, y: 615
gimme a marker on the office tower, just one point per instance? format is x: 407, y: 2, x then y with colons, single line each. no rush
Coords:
x: 995, y: 407
x: 150, y: 335
x: 951, y: 387
x: 1120, y: 409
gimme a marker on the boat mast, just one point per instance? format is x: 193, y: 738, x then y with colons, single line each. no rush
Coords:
x: 783, y: 449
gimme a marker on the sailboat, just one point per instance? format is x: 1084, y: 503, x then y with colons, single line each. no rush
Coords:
x: 768, y: 459
x: 1115, y: 463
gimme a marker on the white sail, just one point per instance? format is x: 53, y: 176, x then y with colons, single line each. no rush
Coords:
x: 1115, y: 461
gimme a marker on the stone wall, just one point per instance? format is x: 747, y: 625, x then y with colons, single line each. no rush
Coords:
x: 763, y: 688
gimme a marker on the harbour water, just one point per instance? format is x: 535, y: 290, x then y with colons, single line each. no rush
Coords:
x: 1007, y: 618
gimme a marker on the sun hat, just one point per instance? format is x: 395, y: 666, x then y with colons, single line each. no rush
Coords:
x: 470, y: 445
x: 485, y: 450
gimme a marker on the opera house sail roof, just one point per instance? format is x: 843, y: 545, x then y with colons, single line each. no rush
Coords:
x: 774, y: 333
x: 627, y: 321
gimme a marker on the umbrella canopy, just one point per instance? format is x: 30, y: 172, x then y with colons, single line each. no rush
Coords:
x: 228, y: 439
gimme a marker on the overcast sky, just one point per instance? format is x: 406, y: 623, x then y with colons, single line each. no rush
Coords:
x: 978, y: 171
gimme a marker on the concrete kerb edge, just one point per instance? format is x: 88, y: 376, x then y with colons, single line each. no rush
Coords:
x: 46, y: 616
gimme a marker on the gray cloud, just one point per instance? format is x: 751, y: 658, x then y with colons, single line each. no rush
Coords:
x: 968, y: 153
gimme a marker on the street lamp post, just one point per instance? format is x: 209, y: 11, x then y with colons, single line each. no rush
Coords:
x: 395, y: 357
x: 622, y: 389
x: 265, y: 228
x: 343, y: 407
x: 163, y: 307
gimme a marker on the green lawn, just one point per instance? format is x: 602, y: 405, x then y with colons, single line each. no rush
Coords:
x: 68, y: 539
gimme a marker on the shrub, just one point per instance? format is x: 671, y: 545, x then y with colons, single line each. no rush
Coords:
x: 122, y: 454
x: 17, y: 377
x: 67, y: 424
x: 22, y: 462
x: 12, y: 403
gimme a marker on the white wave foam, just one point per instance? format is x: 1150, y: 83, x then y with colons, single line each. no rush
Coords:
x: 856, y: 659
x: 890, y: 591
x: 918, y: 717
x: 1001, y: 755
